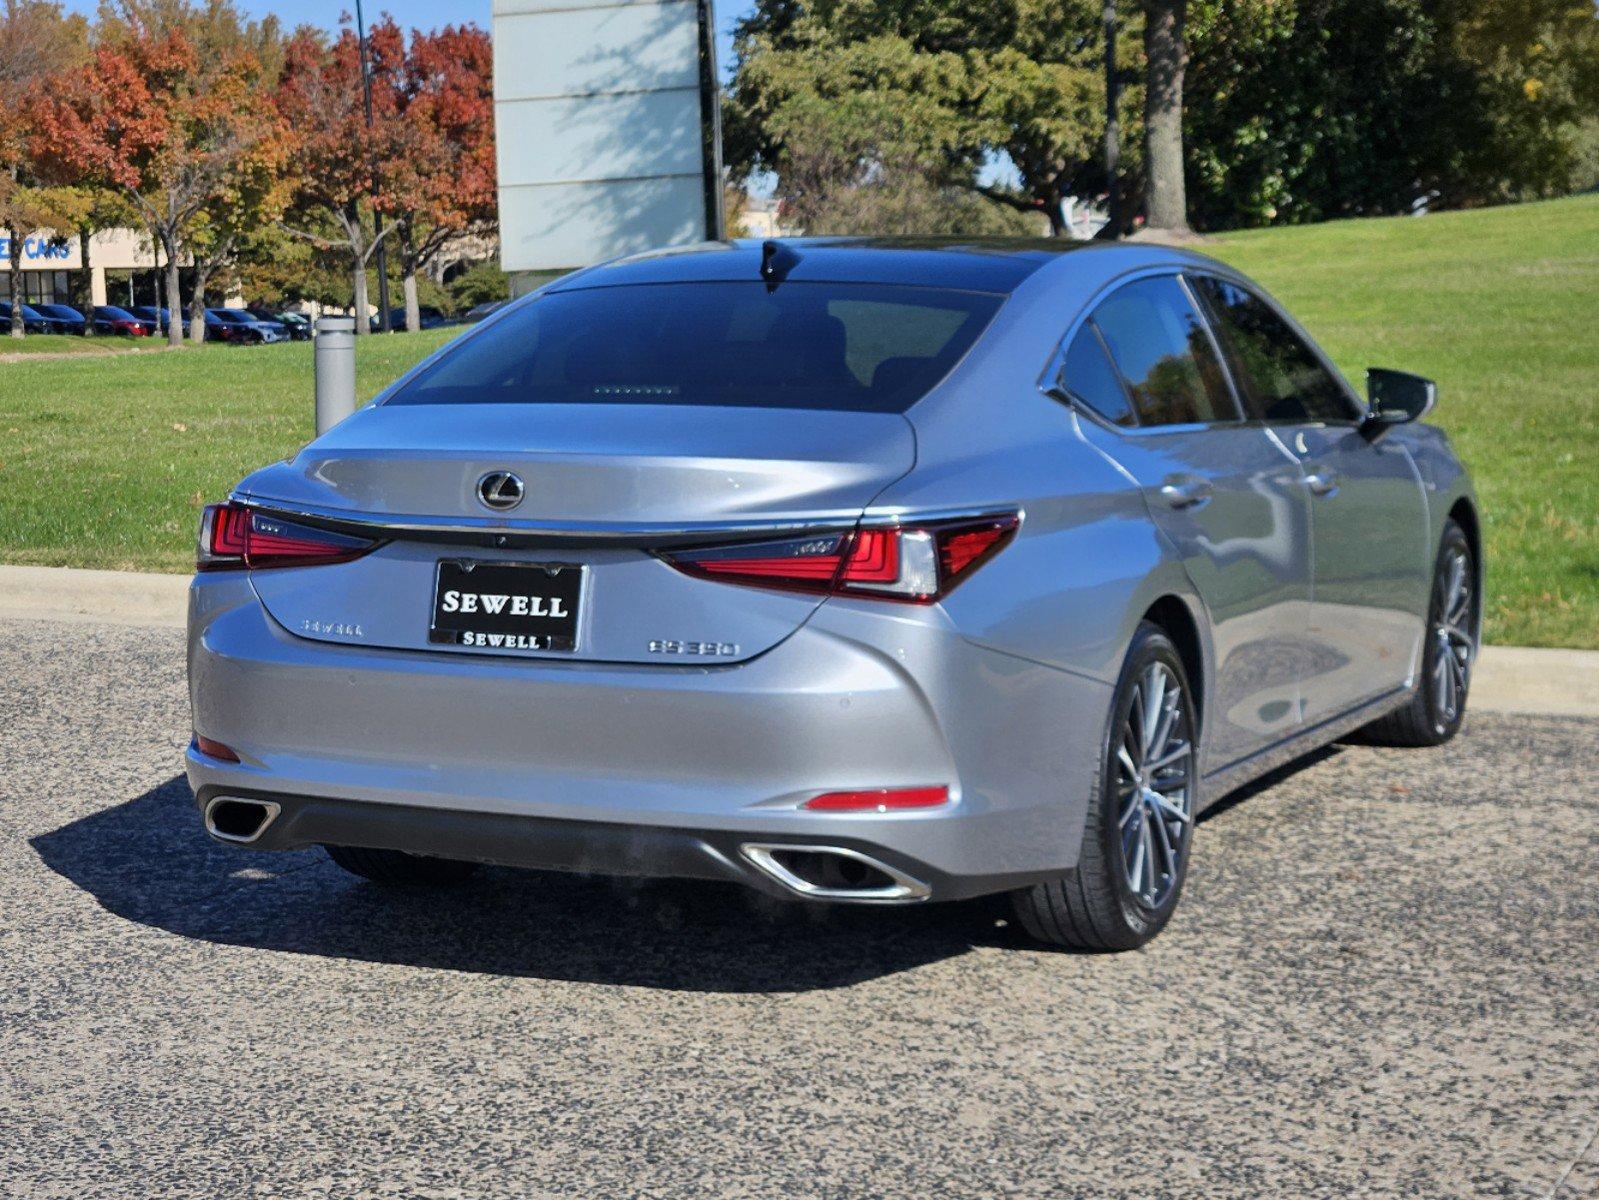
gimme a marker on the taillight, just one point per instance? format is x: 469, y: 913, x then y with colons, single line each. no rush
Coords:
x: 234, y: 536
x: 915, y: 564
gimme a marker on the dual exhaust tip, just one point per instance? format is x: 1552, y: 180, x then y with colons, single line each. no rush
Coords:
x: 814, y: 872
x: 834, y: 873
x: 239, y: 819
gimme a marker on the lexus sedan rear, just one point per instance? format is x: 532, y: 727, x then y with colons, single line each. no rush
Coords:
x: 851, y: 571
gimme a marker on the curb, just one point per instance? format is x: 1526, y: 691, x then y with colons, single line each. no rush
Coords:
x: 1509, y: 679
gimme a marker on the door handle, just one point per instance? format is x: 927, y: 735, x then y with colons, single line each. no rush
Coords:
x: 1186, y: 491
x: 1322, y: 483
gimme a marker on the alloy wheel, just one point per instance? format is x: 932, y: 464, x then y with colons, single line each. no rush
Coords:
x: 1154, y: 785
x: 1454, y: 648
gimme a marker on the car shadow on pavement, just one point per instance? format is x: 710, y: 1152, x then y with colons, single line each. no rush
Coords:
x: 149, y: 861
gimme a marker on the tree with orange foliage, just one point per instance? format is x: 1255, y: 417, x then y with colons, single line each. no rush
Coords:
x: 346, y: 167
x: 36, y: 41
x: 169, y: 128
x: 447, y: 188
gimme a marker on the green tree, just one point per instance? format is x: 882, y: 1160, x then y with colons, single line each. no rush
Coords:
x: 841, y: 96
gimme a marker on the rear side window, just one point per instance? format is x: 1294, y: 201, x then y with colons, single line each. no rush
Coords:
x: 850, y: 347
x: 1089, y: 375
x: 1156, y: 338
x: 1279, y: 376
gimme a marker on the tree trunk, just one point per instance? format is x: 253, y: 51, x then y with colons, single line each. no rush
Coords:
x: 17, y: 289
x: 174, y: 296
x: 413, y: 310
x: 361, y: 316
x: 197, y: 308
x: 84, y: 293
x: 1167, y: 56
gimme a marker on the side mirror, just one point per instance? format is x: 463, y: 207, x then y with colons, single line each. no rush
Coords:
x: 1395, y: 398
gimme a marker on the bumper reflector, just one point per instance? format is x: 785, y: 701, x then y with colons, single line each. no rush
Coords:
x: 216, y: 750
x: 879, y: 800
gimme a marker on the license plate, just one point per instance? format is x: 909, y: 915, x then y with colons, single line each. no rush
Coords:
x: 506, y: 606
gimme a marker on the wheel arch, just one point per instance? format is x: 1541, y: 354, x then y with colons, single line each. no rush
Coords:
x: 1174, y: 617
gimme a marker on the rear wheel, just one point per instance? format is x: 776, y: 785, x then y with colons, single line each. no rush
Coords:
x: 1433, y: 714
x: 399, y: 869
x: 1134, y: 857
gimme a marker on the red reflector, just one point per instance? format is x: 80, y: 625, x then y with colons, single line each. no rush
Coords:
x: 214, y: 749
x: 879, y: 800
x: 874, y: 557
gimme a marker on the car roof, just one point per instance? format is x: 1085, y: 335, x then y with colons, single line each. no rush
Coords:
x: 998, y: 265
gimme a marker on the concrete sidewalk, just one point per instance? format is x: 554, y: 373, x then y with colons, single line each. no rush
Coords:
x: 1509, y: 679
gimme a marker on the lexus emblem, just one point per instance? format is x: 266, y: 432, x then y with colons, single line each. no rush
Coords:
x: 500, y: 490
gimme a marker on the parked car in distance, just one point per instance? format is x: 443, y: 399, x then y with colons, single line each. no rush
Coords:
x: 33, y: 321
x: 65, y: 318
x: 430, y: 318
x: 478, y: 311
x: 109, y: 319
x: 298, y: 324
x: 157, y: 318
x: 856, y: 571
x: 239, y: 327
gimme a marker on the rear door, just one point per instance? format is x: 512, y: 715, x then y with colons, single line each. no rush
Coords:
x: 1368, y: 510
x: 1226, y: 493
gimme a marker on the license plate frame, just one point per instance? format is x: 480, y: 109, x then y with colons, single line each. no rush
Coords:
x: 536, y: 605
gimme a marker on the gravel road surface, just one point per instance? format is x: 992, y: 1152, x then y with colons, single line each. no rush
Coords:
x: 1384, y: 981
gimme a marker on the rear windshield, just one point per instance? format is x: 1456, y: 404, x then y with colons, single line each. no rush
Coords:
x: 853, y: 347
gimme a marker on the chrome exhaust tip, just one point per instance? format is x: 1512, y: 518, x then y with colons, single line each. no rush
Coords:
x: 834, y: 873
x: 239, y: 819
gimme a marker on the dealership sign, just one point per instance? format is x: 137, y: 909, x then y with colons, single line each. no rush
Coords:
x: 38, y: 249
x: 605, y: 127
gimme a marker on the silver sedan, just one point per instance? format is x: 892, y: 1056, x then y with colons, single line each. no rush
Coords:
x: 853, y: 571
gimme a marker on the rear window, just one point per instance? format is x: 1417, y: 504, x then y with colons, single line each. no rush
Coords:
x: 852, y: 347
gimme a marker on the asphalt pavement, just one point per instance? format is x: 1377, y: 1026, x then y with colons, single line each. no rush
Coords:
x: 1383, y: 981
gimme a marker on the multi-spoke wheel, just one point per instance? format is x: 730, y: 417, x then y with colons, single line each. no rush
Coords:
x: 1140, y: 816
x: 1433, y: 714
x: 1153, y: 767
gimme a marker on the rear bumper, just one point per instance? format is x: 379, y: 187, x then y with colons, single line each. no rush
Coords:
x: 583, y: 847
x: 651, y: 770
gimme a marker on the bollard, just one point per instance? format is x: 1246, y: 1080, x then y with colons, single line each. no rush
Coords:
x: 335, y: 371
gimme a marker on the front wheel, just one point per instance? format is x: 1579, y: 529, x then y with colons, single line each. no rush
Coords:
x: 1434, y: 712
x: 1140, y: 821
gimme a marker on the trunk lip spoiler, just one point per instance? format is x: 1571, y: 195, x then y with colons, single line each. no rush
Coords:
x: 504, y: 532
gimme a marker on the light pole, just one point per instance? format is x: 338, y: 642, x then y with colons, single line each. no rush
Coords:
x: 1113, y: 151
x: 377, y: 218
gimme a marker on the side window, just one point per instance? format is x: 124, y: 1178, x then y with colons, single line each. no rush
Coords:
x: 1089, y: 376
x: 1280, y: 377
x: 1157, y: 339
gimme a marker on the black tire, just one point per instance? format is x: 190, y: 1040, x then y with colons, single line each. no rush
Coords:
x: 1428, y: 718
x: 1094, y: 906
x: 396, y: 868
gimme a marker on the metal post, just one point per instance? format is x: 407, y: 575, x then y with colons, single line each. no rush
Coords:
x: 1112, y: 125
x: 384, y: 321
x: 711, y: 126
x: 335, y: 371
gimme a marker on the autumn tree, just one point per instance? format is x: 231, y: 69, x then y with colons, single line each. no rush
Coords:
x: 166, y: 126
x: 36, y: 41
x: 346, y: 167
x: 445, y: 188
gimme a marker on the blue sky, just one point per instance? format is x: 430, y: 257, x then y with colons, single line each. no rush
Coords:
x: 426, y: 14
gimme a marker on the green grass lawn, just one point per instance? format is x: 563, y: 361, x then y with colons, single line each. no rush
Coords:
x: 105, y: 461
x: 1501, y: 307
x: 62, y: 343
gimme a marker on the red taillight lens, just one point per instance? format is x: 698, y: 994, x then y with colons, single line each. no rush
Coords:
x: 916, y: 564
x: 879, y: 800
x: 233, y: 536
x: 215, y: 749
